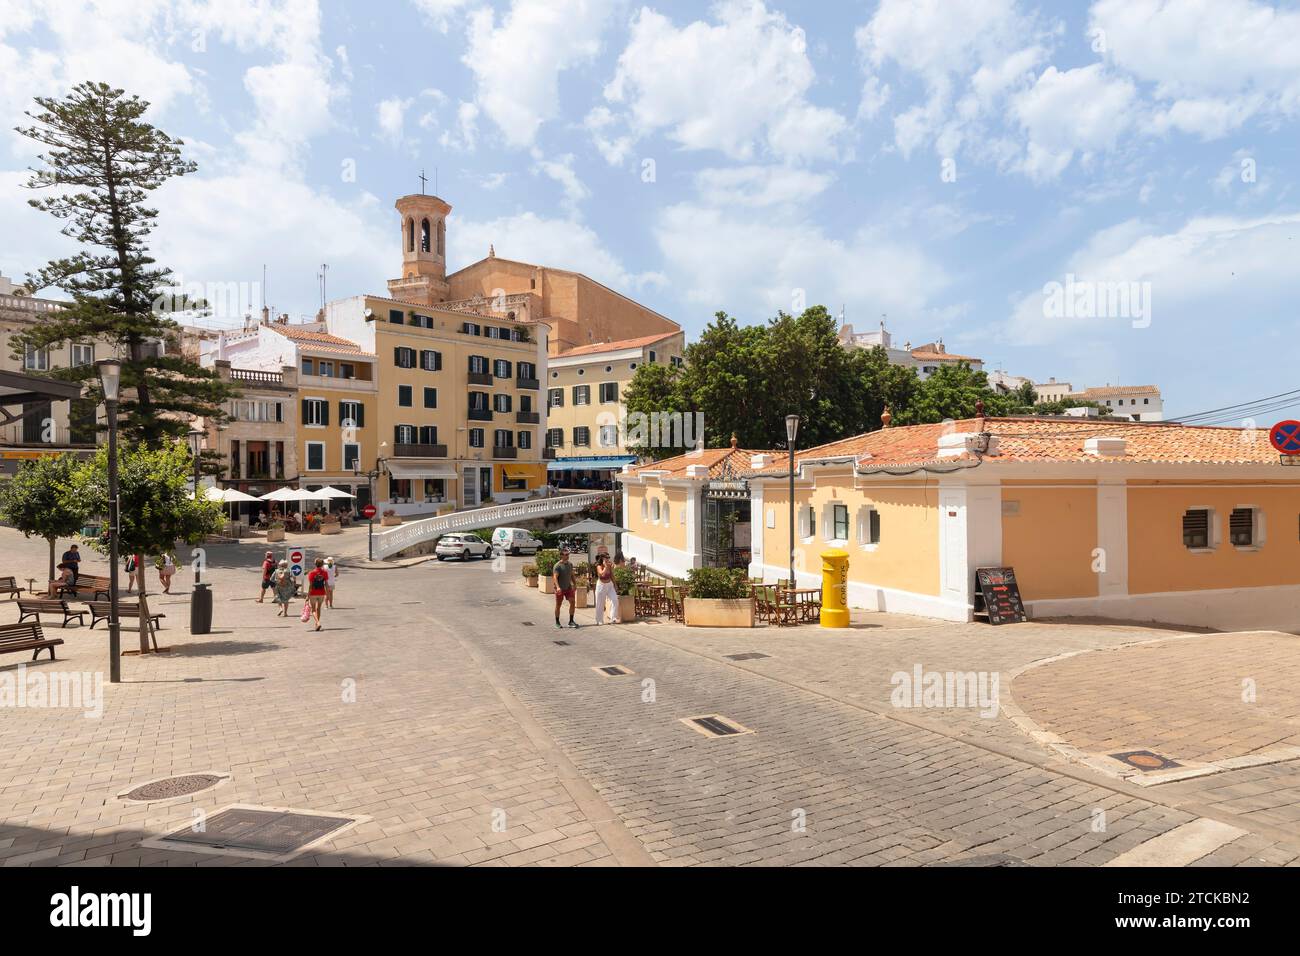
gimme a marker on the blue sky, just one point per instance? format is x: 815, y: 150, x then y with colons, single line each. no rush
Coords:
x: 938, y: 163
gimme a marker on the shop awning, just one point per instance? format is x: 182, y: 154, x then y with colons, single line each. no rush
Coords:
x: 414, y: 468
x: 518, y: 473
x: 606, y: 463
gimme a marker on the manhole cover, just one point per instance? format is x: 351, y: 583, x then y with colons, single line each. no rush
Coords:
x: 526, y: 623
x: 171, y: 787
x: 747, y: 656
x: 990, y: 859
x: 1145, y: 760
x: 259, y: 831
x: 715, y: 725
x: 561, y: 643
x: 612, y: 670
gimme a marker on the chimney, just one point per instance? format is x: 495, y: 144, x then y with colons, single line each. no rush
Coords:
x: 759, y: 461
x: 1114, y: 447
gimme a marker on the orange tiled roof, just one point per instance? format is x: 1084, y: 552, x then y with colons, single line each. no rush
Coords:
x: 319, y: 340
x: 1052, y: 440
x: 925, y: 354
x: 715, y: 458
x: 597, y: 347
x: 1118, y: 390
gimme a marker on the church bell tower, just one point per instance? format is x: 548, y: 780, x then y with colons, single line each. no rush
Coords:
x: 424, y: 250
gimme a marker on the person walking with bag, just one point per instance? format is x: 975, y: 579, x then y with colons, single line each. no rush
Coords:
x: 268, y: 571
x: 317, y: 581
x: 605, y: 590
x: 332, y: 569
x: 284, y: 589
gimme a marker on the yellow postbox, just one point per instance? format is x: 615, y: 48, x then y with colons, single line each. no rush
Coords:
x: 835, y: 588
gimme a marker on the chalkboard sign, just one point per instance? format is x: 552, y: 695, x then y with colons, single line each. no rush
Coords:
x: 1001, y: 595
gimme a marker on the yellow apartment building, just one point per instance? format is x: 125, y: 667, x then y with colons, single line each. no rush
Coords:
x: 586, y: 415
x: 1125, y: 520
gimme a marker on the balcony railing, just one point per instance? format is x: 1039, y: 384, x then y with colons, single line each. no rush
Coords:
x: 528, y: 418
x: 16, y: 436
x: 256, y: 375
x: 532, y: 383
x: 480, y: 378
x: 480, y: 414
x: 504, y: 451
x: 419, y: 451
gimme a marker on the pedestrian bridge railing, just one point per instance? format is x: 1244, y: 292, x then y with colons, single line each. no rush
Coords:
x: 389, y: 543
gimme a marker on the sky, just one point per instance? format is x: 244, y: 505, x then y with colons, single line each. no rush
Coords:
x: 1098, y: 192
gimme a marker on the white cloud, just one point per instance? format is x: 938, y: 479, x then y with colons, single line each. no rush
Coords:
x: 758, y: 186
x: 1079, y: 110
x: 1214, y: 63
x: 390, y: 116
x: 614, y: 146
x: 561, y: 170
x: 517, y: 62
x: 738, y: 85
x: 464, y: 136
x: 561, y: 243
x: 441, y: 13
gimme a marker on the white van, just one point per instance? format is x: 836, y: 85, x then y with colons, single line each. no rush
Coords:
x: 515, y: 541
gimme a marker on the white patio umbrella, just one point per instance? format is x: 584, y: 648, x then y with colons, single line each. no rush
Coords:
x: 329, y: 492
x: 289, y: 494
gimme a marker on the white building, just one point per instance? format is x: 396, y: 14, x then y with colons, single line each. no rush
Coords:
x: 1140, y: 403
x: 926, y: 359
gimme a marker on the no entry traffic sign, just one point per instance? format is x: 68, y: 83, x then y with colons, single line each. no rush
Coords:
x: 368, y: 511
x: 295, y: 562
x: 1285, y: 437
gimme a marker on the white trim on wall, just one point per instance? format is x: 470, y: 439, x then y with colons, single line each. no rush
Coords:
x: 872, y: 597
x: 661, y: 557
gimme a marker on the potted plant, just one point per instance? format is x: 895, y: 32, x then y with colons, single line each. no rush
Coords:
x: 624, y: 583
x: 545, y: 561
x: 718, y: 597
x: 275, y: 531
x: 330, y: 524
x: 390, y: 518
x: 530, y: 575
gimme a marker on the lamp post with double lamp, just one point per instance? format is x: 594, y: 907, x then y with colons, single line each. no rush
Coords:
x: 370, y: 495
x: 791, y: 433
x: 195, y: 438
x: 201, y: 597
x: 110, y: 380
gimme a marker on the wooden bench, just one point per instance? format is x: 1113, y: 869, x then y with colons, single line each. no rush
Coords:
x: 9, y: 585
x: 100, y: 611
x: 26, y: 637
x: 35, y: 607
x: 91, y: 584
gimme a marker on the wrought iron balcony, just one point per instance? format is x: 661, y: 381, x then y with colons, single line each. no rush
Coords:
x: 528, y: 418
x: 505, y: 452
x: 532, y: 383
x: 419, y: 451
x: 480, y: 378
x: 480, y: 414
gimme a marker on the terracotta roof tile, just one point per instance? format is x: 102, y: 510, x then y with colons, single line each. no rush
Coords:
x: 319, y: 340
x: 715, y: 458
x: 597, y: 347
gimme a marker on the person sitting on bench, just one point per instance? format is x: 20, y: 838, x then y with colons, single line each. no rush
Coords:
x: 72, y: 558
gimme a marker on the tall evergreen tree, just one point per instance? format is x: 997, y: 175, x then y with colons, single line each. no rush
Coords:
x: 101, y: 163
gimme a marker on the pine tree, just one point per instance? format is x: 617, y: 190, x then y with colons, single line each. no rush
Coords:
x: 101, y: 163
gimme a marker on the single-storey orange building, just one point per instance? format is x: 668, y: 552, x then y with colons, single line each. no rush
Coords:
x: 1125, y: 520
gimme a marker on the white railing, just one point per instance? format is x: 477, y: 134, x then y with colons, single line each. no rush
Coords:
x: 390, y: 542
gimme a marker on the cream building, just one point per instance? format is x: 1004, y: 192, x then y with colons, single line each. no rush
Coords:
x: 586, y: 415
x: 926, y: 359
x: 258, y: 443
x: 1134, y: 402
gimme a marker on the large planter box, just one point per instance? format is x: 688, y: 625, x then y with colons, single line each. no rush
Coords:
x: 547, y: 585
x: 719, y: 612
x: 274, y: 534
x: 580, y: 597
x: 626, y: 608
x: 530, y: 582
x: 331, y: 527
x: 390, y: 521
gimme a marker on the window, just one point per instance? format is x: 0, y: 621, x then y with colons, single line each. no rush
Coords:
x: 430, y: 397
x: 1241, y: 527
x: 525, y: 370
x: 608, y: 392
x: 652, y: 355
x: 582, y: 394
x: 582, y: 436
x: 676, y: 361
x: 326, y: 369
x: 502, y: 403
x: 404, y: 357
x: 428, y: 434
x: 525, y: 440
x: 840, y: 522
x: 555, y: 438
x: 82, y: 355
x: 502, y: 438
x: 352, y: 414
x: 645, y: 510
x: 347, y: 370
x: 478, y: 401
x: 315, y: 411
x: 868, y: 526
x: 1196, y: 528
x: 421, y: 321
x: 478, y: 364
x: 404, y: 434
x: 525, y: 403
x: 396, y: 316
x: 1146, y: 401
x: 476, y: 438
x: 555, y: 397
x: 807, y: 522
x: 315, y: 456
x: 501, y: 368
x: 470, y: 328
x: 351, y: 456
x: 430, y: 360
x: 654, y: 510
x: 404, y: 398
x: 491, y: 332
x: 608, y: 436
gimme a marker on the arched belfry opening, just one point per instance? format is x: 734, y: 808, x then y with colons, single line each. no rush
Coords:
x: 442, y: 237
x: 410, y: 235
x: 424, y: 235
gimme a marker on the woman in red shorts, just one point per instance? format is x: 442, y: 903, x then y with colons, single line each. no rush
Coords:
x: 317, y: 581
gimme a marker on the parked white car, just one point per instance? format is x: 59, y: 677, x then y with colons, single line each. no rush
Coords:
x: 463, y: 546
x: 515, y: 541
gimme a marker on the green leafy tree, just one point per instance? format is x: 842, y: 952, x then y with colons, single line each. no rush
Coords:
x: 101, y: 163
x: 156, y: 512
x: 952, y: 391
x: 1059, y: 406
x: 878, y: 384
x: 40, y: 499
x: 654, y: 389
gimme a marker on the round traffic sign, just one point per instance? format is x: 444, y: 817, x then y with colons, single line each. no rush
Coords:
x: 1285, y: 437
x: 368, y: 511
x: 296, y: 569
x: 295, y: 557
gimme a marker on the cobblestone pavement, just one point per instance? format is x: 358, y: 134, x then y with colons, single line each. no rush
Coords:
x: 467, y: 713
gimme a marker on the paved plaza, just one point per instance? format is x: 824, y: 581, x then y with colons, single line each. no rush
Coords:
x: 438, y: 709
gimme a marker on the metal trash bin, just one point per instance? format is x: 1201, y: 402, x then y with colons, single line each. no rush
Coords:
x: 201, y: 609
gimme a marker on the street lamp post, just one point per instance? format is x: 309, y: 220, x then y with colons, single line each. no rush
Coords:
x: 370, y: 496
x: 791, y: 432
x: 110, y: 378
x: 195, y: 437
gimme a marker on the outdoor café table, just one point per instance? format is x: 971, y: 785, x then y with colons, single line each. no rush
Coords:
x: 808, y: 600
x: 659, y: 593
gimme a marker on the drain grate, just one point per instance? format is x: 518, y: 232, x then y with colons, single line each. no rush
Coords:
x: 613, y: 670
x: 747, y: 656
x: 990, y: 859
x: 715, y: 725
x: 526, y: 623
x: 561, y: 643
x: 259, y: 831
x: 1145, y: 760
x: 172, y: 787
